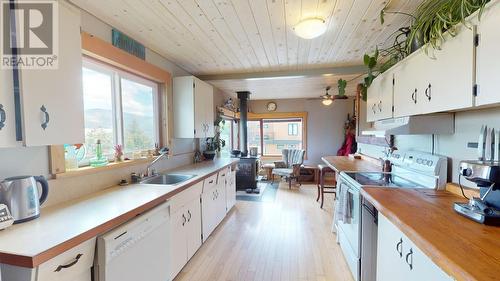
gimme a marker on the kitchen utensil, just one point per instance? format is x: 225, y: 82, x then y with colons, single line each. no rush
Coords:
x: 21, y: 196
x: 488, y: 144
x: 481, y: 143
x: 6, y: 218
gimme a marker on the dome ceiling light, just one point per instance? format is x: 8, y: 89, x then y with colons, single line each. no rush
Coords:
x: 310, y: 28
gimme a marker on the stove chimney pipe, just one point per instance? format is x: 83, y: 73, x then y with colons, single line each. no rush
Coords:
x: 243, y: 97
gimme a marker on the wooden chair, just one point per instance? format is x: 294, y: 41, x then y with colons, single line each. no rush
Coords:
x: 322, y: 188
x: 289, y: 167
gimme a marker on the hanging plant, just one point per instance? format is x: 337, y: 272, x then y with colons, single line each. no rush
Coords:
x: 435, y: 17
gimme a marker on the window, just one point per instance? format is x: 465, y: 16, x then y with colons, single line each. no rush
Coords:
x: 254, y: 136
x: 293, y: 129
x: 276, y: 134
x: 226, y: 134
x: 119, y: 108
x: 282, y: 133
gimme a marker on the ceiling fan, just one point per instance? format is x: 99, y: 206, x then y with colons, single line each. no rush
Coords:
x: 328, y: 99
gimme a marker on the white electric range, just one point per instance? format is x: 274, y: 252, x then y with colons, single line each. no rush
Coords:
x: 355, y: 219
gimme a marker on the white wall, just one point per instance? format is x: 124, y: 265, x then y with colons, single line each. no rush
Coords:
x: 325, y: 133
x: 467, y: 126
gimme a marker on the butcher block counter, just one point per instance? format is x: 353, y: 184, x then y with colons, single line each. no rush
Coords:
x: 346, y: 163
x: 462, y: 248
x: 65, y: 226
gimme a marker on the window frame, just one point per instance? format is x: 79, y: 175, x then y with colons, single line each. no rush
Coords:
x: 117, y: 75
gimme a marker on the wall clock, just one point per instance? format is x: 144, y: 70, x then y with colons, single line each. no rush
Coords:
x: 271, y: 106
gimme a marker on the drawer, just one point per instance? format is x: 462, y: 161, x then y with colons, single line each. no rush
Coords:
x: 210, y: 182
x: 185, y: 197
x: 73, y: 264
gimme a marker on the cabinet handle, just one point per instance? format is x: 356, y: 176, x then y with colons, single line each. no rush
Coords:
x: 428, y: 92
x: 75, y: 261
x: 45, y: 124
x: 409, y: 259
x: 373, y: 108
x: 190, y: 216
x: 380, y: 106
x: 2, y: 117
x: 184, y: 222
x: 414, y: 96
x: 399, y: 247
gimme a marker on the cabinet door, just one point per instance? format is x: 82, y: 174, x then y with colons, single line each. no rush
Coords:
x: 210, y: 112
x: 208, y: 212
x: 408, y: 89
x: 420, y: 267
x: 55, y: 97
x: 449, y: 74
x: 193, y: 230
x: 372, y: 99
x: 7, y: 110
x: 178, y: 242
x: 230, y: 191
x: 384, y: 106
x: 488, y: 61
x: 390, y: 252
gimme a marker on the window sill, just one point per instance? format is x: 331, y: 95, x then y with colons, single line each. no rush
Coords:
x: 111, y: 166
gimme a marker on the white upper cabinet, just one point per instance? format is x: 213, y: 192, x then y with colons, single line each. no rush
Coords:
x: 193, y: 107
x: 449, y: 74
x: 488, y: 60
x: 379, y: 98
x: 52, y: 100
x: 7, y: 109
x: 439, y: 80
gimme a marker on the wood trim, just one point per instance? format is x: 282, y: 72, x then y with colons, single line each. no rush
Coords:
x: 92, y: 170
x: 455, y: 189
x: 103, y: 51
x: 57, y: 162
x: 32, y: 262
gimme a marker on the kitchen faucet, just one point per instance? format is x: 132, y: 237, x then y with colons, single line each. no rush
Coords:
x: 149, y: 170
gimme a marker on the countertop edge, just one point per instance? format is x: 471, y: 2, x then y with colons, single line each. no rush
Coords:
x: 36, y: 260
x: 440, y: 259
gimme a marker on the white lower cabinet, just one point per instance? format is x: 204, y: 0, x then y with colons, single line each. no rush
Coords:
x: 213, y: 204
x: 399, y: 259
x: 73, y: 265
x: 230, y: 189
x: 185, y: 228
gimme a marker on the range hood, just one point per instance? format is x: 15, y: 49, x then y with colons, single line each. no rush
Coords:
x: 437, y: 124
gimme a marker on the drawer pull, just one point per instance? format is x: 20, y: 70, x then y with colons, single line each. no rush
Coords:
x: 45, y: 124
x: 2, y: 117
x: 380, y: 106
x: 399, y: 247
x: 184, y: 220
x: 428, y: 92
x: 189, y: 218
x: 75, y: 261
x: 212, y: 181
x: 414, y: 96
x: 409, y: 259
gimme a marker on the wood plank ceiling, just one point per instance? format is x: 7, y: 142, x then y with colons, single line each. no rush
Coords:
x: 208, y: 37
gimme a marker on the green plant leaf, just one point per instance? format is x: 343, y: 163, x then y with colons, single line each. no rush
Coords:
x: 382, y: 14
x: 366, y: 59
x: 342, y: 85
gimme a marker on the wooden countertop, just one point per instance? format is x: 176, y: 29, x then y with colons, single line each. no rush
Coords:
x: 464, y: 249
x: 65, y: 226
x: 346, y: 163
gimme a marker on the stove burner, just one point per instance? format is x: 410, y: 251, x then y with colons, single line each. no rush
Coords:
x: 382, y: 180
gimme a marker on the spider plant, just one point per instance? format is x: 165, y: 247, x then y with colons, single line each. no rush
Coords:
x: 435, y: 17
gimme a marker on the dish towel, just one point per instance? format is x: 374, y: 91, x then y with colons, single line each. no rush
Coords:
x: 343, y: 208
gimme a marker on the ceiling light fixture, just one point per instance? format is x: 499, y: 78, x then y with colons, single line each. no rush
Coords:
x: 327, y: 102
x: 310, y: 28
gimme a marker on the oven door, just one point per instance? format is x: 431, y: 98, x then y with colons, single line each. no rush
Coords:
x: 352, y: 229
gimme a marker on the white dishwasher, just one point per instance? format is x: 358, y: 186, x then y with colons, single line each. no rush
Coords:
x: 137, y: 250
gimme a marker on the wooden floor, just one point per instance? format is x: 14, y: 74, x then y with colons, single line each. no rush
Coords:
x: 289, y: 239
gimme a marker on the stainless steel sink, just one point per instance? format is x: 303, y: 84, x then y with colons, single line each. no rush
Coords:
x: 168, y: 179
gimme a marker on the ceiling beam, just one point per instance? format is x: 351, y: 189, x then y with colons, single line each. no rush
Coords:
x: 339, y: 70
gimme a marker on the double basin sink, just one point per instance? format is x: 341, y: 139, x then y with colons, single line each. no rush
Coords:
x: 168, y: 179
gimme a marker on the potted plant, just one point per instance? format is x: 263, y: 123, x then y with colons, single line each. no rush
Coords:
x: 214, y: 145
